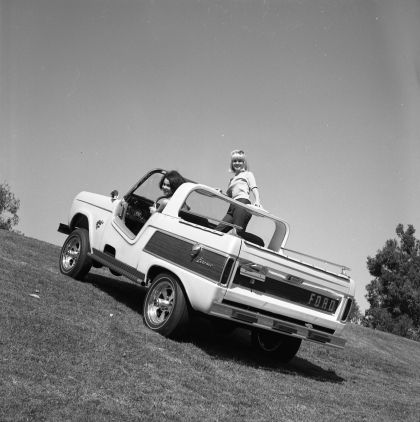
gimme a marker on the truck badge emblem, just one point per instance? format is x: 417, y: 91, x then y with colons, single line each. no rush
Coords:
x: 202, y: 261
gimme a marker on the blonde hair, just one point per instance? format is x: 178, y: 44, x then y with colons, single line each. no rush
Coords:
x: 235, y: 154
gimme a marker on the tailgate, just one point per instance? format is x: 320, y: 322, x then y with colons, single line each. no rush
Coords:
x: 273, y: 283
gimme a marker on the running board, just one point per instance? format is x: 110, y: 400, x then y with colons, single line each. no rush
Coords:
x: 118, y: 266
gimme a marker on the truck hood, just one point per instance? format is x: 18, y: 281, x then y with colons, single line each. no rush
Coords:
x: 96, y: 200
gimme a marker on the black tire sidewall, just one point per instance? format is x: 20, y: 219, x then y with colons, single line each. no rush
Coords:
x: 177, y: 320
x: 285, y: 350
x: 83, y: 263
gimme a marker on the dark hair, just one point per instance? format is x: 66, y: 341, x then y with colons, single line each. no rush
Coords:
x: 175, y: 180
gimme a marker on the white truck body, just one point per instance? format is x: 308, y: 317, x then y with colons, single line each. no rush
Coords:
x: 252, y: 280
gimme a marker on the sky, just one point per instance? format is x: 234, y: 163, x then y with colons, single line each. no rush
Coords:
x: 323, y: 96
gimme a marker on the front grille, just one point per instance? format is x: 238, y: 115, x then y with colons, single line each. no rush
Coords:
x: 278, y: 316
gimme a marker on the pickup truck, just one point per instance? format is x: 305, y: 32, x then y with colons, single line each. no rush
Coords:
x: 239, y: 278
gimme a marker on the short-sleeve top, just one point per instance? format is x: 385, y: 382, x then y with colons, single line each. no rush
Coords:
x: 240, y: 186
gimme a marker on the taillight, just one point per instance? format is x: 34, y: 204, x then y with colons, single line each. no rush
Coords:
x: 347, y: 310
x: 226, y: 271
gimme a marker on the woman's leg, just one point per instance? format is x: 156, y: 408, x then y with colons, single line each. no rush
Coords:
x: 228, y: 218
x: 241, y: 218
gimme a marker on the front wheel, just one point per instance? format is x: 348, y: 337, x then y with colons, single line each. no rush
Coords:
x: 74, y: 259
x: 165, y: 309
x: 280, y: 346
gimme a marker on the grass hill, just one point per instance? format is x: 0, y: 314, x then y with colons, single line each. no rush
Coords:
x: 73, y: 351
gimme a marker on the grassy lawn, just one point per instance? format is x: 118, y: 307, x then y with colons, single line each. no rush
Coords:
x: 79, y: 351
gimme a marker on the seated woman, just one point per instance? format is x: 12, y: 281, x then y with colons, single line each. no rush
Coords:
x: 169, y: 183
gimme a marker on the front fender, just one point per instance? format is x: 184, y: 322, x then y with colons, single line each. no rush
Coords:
x: 91, y: 211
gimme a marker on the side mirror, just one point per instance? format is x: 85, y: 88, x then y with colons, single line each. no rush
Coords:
x: 114, y: 195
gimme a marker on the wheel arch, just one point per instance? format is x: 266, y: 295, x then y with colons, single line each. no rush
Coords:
x: 154, y: 270
x: 82, y: 221
x: 79, y: 220
x: 74, y: 258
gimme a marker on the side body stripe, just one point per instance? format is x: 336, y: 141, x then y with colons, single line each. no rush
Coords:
x: 180, y: 252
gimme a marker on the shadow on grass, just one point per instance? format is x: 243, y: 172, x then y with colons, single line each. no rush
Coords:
x: 202, y: 333
x: 124, y: 291
x: 237, y: 346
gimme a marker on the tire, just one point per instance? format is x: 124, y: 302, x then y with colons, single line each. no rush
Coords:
x: 74, y: 259
x: 165, y: 308
x: 280, y: 346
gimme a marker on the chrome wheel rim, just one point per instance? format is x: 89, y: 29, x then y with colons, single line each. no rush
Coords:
x: 161, y: 303
x: 71, y: 253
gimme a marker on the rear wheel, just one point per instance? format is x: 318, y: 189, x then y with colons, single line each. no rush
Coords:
x: 165, y: 308
x: 223, y: 327
x: 280, y: 346
x: 74, y: 259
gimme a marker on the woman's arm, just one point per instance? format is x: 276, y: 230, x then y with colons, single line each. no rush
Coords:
x: 254, y: 189
x: 159, y: 205
x: 162, y: 204
x: 256, y: 193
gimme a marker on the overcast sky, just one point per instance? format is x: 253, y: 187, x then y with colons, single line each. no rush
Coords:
x: 322, y: 95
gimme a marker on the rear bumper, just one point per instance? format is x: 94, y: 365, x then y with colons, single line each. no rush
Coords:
x: 298, y: 329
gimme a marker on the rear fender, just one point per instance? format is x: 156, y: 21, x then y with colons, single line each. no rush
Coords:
x: 157, y: 269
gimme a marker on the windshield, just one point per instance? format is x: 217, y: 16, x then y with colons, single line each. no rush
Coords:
x: 149, y: 186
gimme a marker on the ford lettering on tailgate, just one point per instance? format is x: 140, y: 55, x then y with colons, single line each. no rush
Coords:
x: 323, y: 303
x: 287, y: 291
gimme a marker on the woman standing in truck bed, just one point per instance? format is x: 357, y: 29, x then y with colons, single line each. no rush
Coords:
x: 241, y: 185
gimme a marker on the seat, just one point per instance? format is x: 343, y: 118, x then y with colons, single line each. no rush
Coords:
x: 253, y: 238
x: 194, y: 218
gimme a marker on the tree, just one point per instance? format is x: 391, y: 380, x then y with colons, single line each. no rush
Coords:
x: 9, y: 206
x: 355, y: 315
x: 394, y: 293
